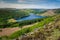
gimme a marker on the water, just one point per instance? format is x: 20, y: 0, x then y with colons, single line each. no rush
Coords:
x: 30, y: 17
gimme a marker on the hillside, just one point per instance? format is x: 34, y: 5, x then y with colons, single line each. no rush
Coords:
x: 47, y: 28
x: 51, y: 12
x: 48, y: 13
x: 50, y: 31
x: 12, y: 13
x: 8, y: 16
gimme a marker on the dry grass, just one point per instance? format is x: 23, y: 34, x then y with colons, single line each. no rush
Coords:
x: 48, y: 13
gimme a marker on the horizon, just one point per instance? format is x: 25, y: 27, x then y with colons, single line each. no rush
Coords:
x: 30, y: 4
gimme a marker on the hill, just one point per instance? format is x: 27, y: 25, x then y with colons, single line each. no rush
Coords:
x: 51, y: 12
x: 48, y: 13
x: 50, y: 31
x: 46, y: 29
x: 6, y: 14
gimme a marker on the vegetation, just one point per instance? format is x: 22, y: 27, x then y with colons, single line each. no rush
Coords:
x: 8, y: 17
x: 6, y: 14
x: 27, y: 30
x: 46, y: 28
x: 13, y: 23
x: 57, y: 11
x: 50, y: 31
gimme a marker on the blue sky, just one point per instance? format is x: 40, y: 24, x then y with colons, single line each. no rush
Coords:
x: 46, y: 4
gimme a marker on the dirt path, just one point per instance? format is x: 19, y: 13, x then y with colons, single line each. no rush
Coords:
x: 9, y: 31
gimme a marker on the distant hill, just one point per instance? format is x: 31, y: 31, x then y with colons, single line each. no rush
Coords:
x: 51, y: 12
x: 17, y: 13
x: 7, y: 13
x: 48, y: 13
x: 13, y: 13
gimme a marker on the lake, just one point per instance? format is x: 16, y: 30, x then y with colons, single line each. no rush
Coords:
x: 30, y: 17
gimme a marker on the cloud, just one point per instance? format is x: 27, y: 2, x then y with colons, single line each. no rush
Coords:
x: 25, y: 6
x: 21, y: 1
x: 29, y: 4
x: 30, y: 1
x: 18, y: 6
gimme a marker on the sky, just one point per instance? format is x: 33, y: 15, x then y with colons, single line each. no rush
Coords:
x: 36, y: 4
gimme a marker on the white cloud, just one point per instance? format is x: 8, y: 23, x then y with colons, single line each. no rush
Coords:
x: 23, y: 6
x: 9, y: 5
x: 21, y: 1
x: 30, y: 1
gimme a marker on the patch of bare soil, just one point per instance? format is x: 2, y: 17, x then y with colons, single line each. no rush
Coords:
x: 9, y: 31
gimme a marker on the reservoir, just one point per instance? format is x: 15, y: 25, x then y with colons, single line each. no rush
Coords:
x: 30, y: 17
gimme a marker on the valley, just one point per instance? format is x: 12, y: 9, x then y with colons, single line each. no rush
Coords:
x: 29, y: 24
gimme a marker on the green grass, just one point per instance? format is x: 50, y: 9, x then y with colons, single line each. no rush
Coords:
x: 30, y: 29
